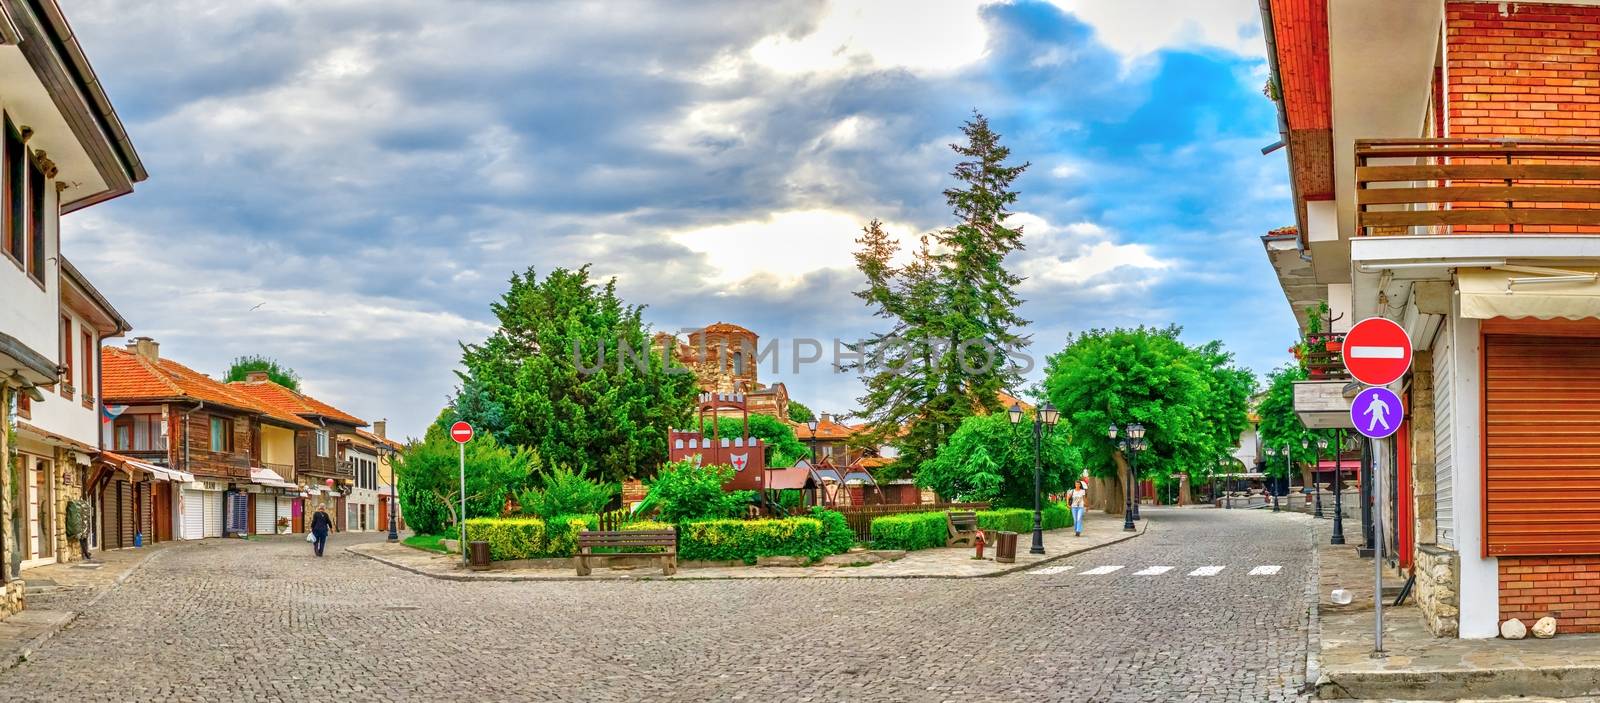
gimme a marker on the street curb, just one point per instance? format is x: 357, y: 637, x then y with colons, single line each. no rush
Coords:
x: 509, y: 578
x: 10, y: 661
x: 1314, y: 625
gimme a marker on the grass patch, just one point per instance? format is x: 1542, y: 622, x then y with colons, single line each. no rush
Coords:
x: 427, y: 543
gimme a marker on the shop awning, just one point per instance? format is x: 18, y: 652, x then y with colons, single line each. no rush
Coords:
x: 1518, y: 292
x: 268, y: 477
x: 159, y: 473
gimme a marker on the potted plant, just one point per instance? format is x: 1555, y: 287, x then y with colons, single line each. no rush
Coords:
x: 283, y: 525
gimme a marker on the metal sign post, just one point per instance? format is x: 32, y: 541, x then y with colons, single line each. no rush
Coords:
x: 1378, y: 492
x: 1377, y: 413
x: 461, y: 432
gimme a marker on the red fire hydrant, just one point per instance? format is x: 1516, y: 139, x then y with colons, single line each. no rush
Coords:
x: 979, y: 542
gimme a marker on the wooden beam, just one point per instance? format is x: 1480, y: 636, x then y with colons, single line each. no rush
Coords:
x: 1487, y: 172
x: 1479, y: 194
x: 1502, y: 216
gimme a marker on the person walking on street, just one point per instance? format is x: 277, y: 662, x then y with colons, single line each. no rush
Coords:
x: 320, y: 524
x: 1079, y: 497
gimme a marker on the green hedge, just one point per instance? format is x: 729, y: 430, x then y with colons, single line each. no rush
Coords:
x: 532, y: 538
x: 509, y: 538
x: 744, y: 540
x: 1054, y: 517
x: 909, y: 531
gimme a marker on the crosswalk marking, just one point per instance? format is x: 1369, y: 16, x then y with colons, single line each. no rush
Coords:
x: 1265, y: 570
x: 1207, y: 571
x: 1048, y: 570
x: 1101, y: 570
x: 1153, y: 571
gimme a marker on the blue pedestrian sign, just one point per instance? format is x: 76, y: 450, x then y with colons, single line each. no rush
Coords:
x: 1376, y: 412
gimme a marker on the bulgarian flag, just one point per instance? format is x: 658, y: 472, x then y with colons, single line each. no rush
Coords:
x: 110, y: 412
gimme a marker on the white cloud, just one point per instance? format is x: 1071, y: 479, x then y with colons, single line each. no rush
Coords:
x: 782, y: 247
x: 1079, y: 256
x: 923, y: 36
x: 1135, y: 28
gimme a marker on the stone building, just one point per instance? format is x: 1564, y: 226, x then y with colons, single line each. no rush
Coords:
x: 725, y: 358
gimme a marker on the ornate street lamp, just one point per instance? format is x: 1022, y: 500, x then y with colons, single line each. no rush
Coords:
x: 1132, y: 443
x: 1223, y: 464
x: 1043, y: 422
x: 1322, y: 444
x: 1338, y: 488
x: 1272, y: 485
x: 812, y: 425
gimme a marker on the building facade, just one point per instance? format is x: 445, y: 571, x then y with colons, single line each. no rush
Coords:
x: 1443, y: 158
x: 62, y: 148
x: 325, y: 477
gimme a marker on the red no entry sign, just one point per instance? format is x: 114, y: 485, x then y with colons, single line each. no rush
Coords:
x: 1377, y: 351
x: 461, y: 432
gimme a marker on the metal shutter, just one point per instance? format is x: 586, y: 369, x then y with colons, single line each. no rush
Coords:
x: 193, y: 514
x: 1444, y: 438
x: 125, y: 510
x: 1542, y: 418
x: 212, y: 502
x: 143, y: 510
x: 266, y: 524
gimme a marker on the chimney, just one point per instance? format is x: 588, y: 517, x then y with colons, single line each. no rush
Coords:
x: 145, y: 347
x: 381, y: 428
x: 256, y: 377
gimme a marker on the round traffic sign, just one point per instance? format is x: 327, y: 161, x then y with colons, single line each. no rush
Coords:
x: 1377, y: 412
x: 1377, y: 351
x: 461, y: 432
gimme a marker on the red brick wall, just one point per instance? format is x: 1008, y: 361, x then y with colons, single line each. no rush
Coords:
x: 1534, y: 70
x: 1567, y: 588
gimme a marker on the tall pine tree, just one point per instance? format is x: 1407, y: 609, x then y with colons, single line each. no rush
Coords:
x: 952, y: 309
x: 543, y: 379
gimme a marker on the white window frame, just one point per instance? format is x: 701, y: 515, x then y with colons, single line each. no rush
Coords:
x: 322, y: 443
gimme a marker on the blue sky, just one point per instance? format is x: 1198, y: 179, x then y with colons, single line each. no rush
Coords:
x: 374, y: 171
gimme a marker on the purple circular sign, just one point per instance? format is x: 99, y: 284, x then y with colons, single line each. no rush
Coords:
x: 1377, y: 412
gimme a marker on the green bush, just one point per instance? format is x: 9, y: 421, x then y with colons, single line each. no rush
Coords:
x: 684, y: 491
x: 566, y: 493
x: 509, y: 538
x: 561, y: 535
x: 909, y: 531
x: 744, y: 540
x: 1053, y: 517
x: 837, y: 536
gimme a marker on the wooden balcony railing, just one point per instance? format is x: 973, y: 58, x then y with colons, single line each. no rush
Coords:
x: 1323, y: 356
x: 1477, y: 186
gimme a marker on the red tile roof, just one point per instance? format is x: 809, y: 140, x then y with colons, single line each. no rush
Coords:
x: 126, y: 377
x: 370, y: 437
x: 284, y: 400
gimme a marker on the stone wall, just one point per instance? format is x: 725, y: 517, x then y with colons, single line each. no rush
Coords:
x: 1437, y: 589
x: 1423, y: 467
x: 10, y: 598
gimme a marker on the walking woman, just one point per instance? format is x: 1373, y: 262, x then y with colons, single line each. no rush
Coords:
x: 320, y: 524
x: 1080, y: 495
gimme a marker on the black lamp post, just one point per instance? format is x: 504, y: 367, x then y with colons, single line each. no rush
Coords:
x: 1322, y: 443
x: 1131, y: 444
x: 1043, y: 421
x: 1338, y: 488
x: 1227, y: 486
x: 1272, y: 484
x: 812, y: 425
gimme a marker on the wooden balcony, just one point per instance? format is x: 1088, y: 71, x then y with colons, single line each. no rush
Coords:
x: 1477, y: 186
x: 1323, y: 356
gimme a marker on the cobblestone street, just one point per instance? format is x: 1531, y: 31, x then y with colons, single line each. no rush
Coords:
x: 253, y: 621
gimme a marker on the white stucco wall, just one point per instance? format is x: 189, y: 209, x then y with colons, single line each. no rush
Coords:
x: 67, y: 416
x: 1480, y: 576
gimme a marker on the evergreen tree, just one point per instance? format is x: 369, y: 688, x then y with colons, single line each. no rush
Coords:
x: 952, y: 310
x: 570, y: 373
x: 276, y: 372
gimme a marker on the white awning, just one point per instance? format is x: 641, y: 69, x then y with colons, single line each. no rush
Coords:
x: 159, y: 473
x: 1544, y: 294
x: 268, y: 477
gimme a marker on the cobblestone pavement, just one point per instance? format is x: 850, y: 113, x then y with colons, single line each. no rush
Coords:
x: 260, y: 621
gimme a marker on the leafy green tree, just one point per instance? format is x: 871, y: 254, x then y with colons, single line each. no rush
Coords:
x: 1281, y: 426
x: 276, y: 372
x: 798, y: 412
x: 783, y: 448
x: 1192, y: 402
x: 683, y: 491
x: 570, y: 373
x: 951, y: 310
x: 428, y: 478
x: 990, y: 459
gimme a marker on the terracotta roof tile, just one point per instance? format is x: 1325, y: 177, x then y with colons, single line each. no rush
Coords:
x: 299, y: 404
x: 127, y: 377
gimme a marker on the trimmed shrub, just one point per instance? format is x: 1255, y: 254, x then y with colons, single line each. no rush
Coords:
x: 684, y: 491
x: 744, y: 540
x: 909, y: 531
x: 562, y: 533
x: 509, y: 538
x: 1053, y: 516
x: 837, y: 536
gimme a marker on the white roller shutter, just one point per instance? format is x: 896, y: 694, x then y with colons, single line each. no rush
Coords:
x: 1444, y: 437
x: 212, y: 503
x: 193, y: 511
x: 264, y: 519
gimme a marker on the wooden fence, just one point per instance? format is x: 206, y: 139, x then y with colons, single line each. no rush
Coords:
x: 860, y: 516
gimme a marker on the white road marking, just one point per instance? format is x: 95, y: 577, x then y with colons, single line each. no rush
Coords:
x: 1102, y: 570
x: 1207, y: 571
x: 1048, y: 570
x: 1376, y: 352
x: 1153, y: 571
x: 1265, y: 570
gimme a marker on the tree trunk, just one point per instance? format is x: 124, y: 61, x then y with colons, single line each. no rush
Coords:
x: 1184, y: 498
x: 1111, y: 493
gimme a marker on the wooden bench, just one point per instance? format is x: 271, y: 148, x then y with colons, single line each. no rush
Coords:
x: 625, y: 540
x: 963, y: 526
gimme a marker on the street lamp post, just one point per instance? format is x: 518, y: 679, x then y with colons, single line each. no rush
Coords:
x: 1132, y: 443
x: 812, y: 425
x: 1322, y: 444
x: 1043, y: 421
x: 394, y: 495
x: 1272, y: 484
x: 1338, y: 488
x: 1223, y: 464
